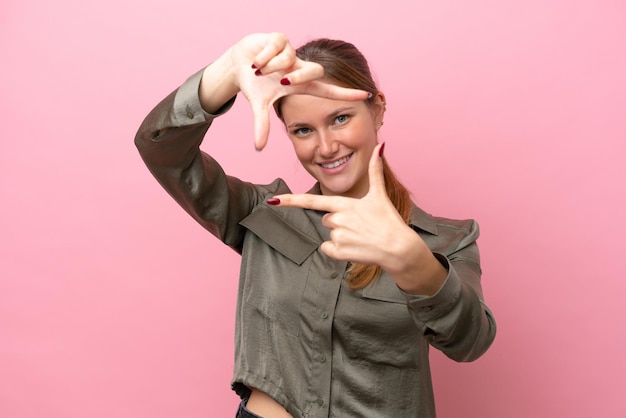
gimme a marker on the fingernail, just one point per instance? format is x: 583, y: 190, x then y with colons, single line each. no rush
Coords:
x: 285, y: 81
x: 369, y: 95
x: 381, y: 150
x: 253, y: 67
x: 273, y: 201
x: 258, y: 72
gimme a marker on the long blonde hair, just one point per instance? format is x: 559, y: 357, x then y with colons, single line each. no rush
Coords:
x: 344, y: 65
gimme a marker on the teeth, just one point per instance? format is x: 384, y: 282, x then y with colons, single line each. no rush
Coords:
x: 336, y: 163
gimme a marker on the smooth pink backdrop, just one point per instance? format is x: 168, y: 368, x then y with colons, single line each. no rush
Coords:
x: 114, y: 303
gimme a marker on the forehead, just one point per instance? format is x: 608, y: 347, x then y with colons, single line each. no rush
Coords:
x: 302, y: 107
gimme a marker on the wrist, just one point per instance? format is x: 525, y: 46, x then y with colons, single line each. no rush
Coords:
x: 415, y: 268
x: 218, y: 84
x: 431, y: 277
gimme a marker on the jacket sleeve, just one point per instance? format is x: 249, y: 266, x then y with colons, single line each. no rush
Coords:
x: 456, y: 320
x: 169, y: 141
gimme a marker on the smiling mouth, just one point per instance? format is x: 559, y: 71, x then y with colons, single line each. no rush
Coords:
x: 337, y: 163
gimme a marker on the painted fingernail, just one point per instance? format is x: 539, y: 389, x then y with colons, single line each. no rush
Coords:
x: 253, y: 67
x: 258, y: 72
x: 285, y: 81
x: 369, y: 95
x: 381, y: 150
x: 273, y: 201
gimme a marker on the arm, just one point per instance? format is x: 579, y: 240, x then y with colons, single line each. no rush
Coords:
x: 455, y: 319
x: 168, y: 141
x: 439, y: 273
x: 170, y: 136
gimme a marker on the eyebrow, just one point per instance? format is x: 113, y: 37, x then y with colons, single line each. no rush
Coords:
x: 331, y: 115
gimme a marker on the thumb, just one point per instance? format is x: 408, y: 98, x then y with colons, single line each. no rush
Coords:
x: 261, y: 125
x: 375, y: 171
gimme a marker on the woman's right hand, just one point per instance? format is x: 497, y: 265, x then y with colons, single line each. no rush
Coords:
x: 264, y: 67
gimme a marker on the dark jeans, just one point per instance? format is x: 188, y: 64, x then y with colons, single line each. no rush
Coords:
x: 243, y: 412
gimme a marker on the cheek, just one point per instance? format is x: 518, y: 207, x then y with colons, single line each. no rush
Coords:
x: 362, y: 136
x: 303, y: 149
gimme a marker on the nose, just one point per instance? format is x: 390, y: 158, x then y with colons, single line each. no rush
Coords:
x: 328, y: 145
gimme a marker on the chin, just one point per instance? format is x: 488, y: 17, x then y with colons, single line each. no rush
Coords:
x: 338, y: 190
x: 339, y: 185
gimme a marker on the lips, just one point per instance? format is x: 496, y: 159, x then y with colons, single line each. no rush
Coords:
x: 337, y: 163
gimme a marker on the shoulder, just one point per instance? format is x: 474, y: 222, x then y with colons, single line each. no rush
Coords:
x: 467, y: 227
x: 444, y: 233
x: 278, y: 186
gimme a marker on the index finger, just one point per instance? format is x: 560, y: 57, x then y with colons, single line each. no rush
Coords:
x: 310, y: 201
x: 307, y: 78
x: 331, y: 91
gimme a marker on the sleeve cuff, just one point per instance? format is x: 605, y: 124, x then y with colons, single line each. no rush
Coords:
x: 187, y: 107
x: 431, y: 307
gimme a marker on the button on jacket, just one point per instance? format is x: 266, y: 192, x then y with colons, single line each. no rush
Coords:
x: 302, y: 335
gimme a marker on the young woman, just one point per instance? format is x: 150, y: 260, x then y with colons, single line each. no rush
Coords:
x: 342, y: 289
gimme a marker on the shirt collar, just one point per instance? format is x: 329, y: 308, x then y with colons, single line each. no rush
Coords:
x: 422, y: 220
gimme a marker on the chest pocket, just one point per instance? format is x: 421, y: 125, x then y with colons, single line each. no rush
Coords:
x: 275, y: 267
x: 382, y: 330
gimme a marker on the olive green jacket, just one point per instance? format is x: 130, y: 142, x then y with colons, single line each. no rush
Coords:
x: 302, y: 335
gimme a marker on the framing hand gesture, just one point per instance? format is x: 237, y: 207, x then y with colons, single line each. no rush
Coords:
x: 264, y: 67
x: 370, y: 230
x: 362, y: 230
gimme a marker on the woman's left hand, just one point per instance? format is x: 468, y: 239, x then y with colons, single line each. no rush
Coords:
x: 370, y: 230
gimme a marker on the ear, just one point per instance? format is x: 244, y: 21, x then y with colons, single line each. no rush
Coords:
x: 379, y: 107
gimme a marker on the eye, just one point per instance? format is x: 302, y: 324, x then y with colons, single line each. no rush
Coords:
x: 341, y: 119
x: 301, y: 132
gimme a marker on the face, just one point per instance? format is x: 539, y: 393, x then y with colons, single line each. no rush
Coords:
x: 334, y: 140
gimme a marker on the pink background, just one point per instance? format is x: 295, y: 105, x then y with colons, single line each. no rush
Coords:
x: 114, y: 303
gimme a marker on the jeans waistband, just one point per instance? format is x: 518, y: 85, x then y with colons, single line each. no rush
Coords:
x: 243, y: 412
